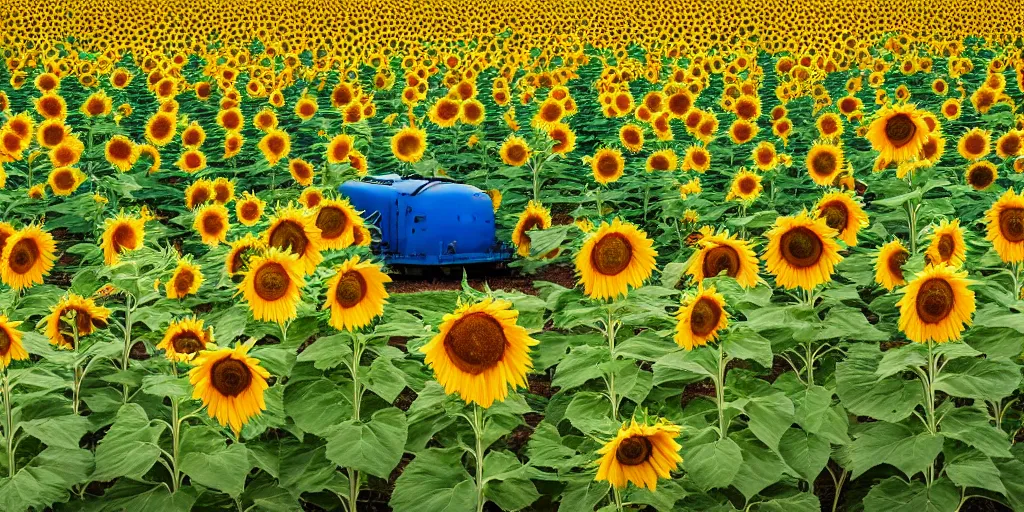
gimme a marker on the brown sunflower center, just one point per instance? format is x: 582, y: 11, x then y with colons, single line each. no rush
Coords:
x: 53, y: 134
x: 351, y: 289
x: 289, y: 235
x: 721, y: 258
x: 238, y: 259
x: 408, y: 145
x: 120, y: 150
x: 271, y: 282
x: 276, y: 145
x: 801, y: 247
x: 24, y: 255
x: 475, y: 343
x: 633, y: 451
x: 516, y: 153
x: 64, y: 179
x: 123, y: 238
x: 607, y: 166
x: 213, y: 224
x: 974, y: 144
x: 980, y: 176
x: 824, y: 163
x: 935, y: 300
x: 1011, y: 224
x: 250, y: 210
x: 611, y: 254
x: 332, y: 222
x: 946, y: 246
x: 747, y: 185
x: 900, y: 130
x: 705, y: 316
x: 836, y: 215
x: 187, y: 343
x: 183, y: 281
x: 895, y: 263
x: 230, y: 377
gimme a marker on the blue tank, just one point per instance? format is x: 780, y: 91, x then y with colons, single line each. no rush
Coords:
x: 428, y: 221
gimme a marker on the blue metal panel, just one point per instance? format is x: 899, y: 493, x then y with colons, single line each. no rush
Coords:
x: 429, y: 221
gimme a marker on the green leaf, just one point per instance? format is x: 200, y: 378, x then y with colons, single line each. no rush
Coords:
x: 507, y: 483
x: 863, y: 393
x: 970, y: 425
x: 46, y: 479
x: 544, y: 241
x: 131, y: 495
x: 802, y: 502
x: 545, y: 449
x: 770, y: 417
x: 895, y: 495
x: 436, y: 481
x: 900, y: 359
x: 304, y: 467
x: 581, y: 365
x: 591, y: 413
x: 761, y: 468
x: 385, y: 380
x: 971, y: 468
x: 982, y: 379
x: 316, y: 405
x: 328, y: 352
x: 898, y: 445
x: 582, y: 494
x: 713, y: 465
x: 60, y: 431
x: 742, y: 342
x: 686, y: 366
x: 1011, y: 474
x: 130, y: 447
x: 816, y: 414
x: 375, y: 447
x: 224, y: 469
x: 166, y: 385
x: 806, y: 453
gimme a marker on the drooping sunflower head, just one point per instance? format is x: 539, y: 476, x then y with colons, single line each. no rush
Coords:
x: 889, y: 265
x: 295, y: 231
x: 184, y: 339
x: 10, y: 342
x: 936, y: 305
x: 337, y: 221
x: 613, y: 258
x: 1006, y: 226
x: 356, y: 294
x: 515, y: 151
x: 720, y: 253
x: 801, y: 252
x: 121, y: 234
x: 700, y: 318
x: 26, y: 256
x: 72, y: 316
x: 272, y: 285
x: 64, y: 181
x: 535, y: 216
x: 981, y: 174
x: 230, y: 384
x: 607, y: 165
x: 212, y: 224
x: 563, y: 137
x: 947, y: 244
x: 824, y: 162
x: 898, y: 132
x: 746, y: 186
x: 843, y: 214
x: 241, y: 250
x: 479, y: 351
x: 185, y: 280
x: 409, y: 144
x: 640, y: 454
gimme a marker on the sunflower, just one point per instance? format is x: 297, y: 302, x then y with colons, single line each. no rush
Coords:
x: 265, y: 120
x: 980, y: 175
x: 801, y: 251
x: 742, y: 131
x: 193, y: 136
x: 640, y: 454
x: 472, y: 112
x: 295, y: 231
x: 212, y: 224
x: 237, y: 259
x: 479, y: 351
x: 495, y: 196
x: 121, y: 153
x: 700, y: 318
x: 824, y: 162
x: 764, y: 156
x: 662, y: 160
x: 720, y: 252
x: 96, y: 105
x: 272, y: 285
x: 152, y: 154
x: 337, y: 221
x: 64, y: 181
x: 746, y: 186
x: 249, y: 209
x: 898, y: 132
x: 843, y: 214
x: 26, y: 257
x: 160, y: 128
x: 231, y: 120
x: 951, y: 109
x: 186, y: 280
x: 85, y: 315
x: 607, y: 165
x: 339, y: 148
x: 613, y: 258
x: 121, y: 234
x: 697, y: 159
x: 184, y: 339
x: 535, y: 216
x: 233, y: 143
x: 445, y: 112
x: 549, y: 112
x: 275, y: 145
x: 230, y: 384
x: 974, y: 144
x: 10, y: 342
x: 409, y: 144
x: 67, y: 153
x: 515, y: 151
x: 51, y: 106
x: 356, y: 294
x: 936, y: 305
x: 1006, y: 226
x: 632, y: 137
x: 199, y: 193
x: 947, y: 244
x: 829, y: 126
x: 889, y: 265
x: 223, y: 190
x: 49, y: 134
x: 306, y: 108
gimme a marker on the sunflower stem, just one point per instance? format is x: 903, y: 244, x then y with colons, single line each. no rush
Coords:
x: 600, y: 208
x: 175, y: 435
x: 810, y: 365
x: 125, y: 356
x: 618, y: 498
x: 478, y: 431
x: 357, y: 399
x: 720, y: 393
x: 930, y: 410
x: 353, y: 489
x: 9, y: 426
x: 610, y: 329
x: 78, y: 374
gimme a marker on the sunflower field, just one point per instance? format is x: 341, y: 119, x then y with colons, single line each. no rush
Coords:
x: 768, y: 256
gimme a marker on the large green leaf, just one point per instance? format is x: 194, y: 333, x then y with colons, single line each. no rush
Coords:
x: 982, y: 379
x: 713, y: 465
x: 374, y: 447
x: 909, y: 450
x: 895, y: 495
x: 46, y: 479
x: 63, y: 431
x: 761, y: 468
x: 581, y: 365
x: 224, y: 469
x: 435, y: 480
x: 971, y: 468
x: 130, y: 447
x: 806, y: 453
x: 863, y: 393
x: 316, y: 405
x: 507, y: 482
x: 970, y: 424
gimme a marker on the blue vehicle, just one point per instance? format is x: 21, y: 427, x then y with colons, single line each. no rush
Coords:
x: 428, y: 221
